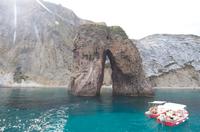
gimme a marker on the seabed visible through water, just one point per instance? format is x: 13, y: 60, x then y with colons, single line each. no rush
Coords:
x: 51, y: 110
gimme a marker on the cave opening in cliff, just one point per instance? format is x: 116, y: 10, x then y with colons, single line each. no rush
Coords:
x: 107, y: 74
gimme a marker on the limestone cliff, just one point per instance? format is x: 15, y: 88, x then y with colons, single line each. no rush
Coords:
x: 36, y: 37
x: 171, y: 60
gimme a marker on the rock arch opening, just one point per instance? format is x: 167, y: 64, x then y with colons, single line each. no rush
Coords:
x: 106, y: 87
x: 92, y: 45
x: 121, y: 81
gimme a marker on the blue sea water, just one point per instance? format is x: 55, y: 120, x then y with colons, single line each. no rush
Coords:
x: 54, y: 110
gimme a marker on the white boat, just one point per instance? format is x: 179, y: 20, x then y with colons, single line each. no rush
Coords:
x: 175, y: 114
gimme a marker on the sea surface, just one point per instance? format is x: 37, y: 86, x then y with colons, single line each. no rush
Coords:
x: 54, y: 110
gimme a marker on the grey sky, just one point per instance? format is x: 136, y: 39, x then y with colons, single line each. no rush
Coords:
x: 140, y: 18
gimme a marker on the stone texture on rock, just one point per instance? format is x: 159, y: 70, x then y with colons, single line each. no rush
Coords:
x: 91, y: 46
x: 171, y: 60
x: 183, y: 77
x: 37, y: 36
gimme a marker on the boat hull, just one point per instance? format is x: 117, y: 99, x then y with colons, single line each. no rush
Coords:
x: 153, y: 115
x: 175, y: 123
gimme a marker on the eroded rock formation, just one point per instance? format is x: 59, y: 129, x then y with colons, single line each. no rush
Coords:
x: 91, y: 46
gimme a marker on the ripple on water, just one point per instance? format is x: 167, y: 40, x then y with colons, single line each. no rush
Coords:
x: 52, y: 110
x: 52, y: 120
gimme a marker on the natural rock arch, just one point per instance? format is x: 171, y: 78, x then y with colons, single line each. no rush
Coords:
x: 91, y: 46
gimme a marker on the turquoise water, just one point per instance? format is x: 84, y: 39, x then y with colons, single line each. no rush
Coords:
x: 53, y: 110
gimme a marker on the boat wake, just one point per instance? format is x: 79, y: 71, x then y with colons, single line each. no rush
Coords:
x: 51, y: 120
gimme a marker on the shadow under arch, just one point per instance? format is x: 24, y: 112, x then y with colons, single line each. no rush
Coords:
x: 118, y: 78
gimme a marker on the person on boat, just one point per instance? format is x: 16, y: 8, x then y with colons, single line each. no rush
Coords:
x: 162, y: 117
x: 172, y: 116
x: 153, y: 110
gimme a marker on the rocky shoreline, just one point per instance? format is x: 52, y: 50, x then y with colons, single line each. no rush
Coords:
x: 110, y: 87
x: 104, y: 87
x: 31, y: 86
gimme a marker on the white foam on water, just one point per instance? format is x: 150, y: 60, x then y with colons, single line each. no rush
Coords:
x: 52, y: 120
x: 2, y: 128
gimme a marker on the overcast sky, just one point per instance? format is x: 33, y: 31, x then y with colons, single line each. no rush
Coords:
x: 140, y: 18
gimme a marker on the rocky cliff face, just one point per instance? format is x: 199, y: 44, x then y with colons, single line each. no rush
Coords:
x: 171, y: 60
x: 92, y: 45
x: 36, y: 37
x: 36, y: 43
